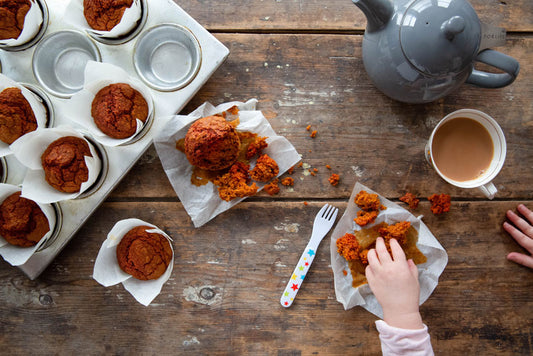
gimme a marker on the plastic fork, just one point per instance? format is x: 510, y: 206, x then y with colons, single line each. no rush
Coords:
x: 323, y: 222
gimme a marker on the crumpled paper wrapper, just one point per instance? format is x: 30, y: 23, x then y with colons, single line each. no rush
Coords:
x: 428, y: 273
x: 74, y: 15
x: 203, y: 203
x: 37, y: 106
x: 32, y: 24
x: 97, y: 76
x: 16, y: 255
x: 29, y: 148
x: 107, y: 272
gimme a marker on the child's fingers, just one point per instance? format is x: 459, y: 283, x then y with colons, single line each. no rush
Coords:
x: 397, y: 251
x: 520, y: 258
x: 372, y: 258
x: 528, y: 214
x: 412, y: 268
x: 382, y: 252
x: 520, y: 223
x: 522, y: 239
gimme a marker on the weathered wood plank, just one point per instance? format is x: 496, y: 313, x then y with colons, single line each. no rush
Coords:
x: 319, y: 80
x: 315, y: 15
x: 223, y: 296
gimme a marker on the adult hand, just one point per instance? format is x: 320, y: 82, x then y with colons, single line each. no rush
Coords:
x: 394, y: 282
x: 522, y: 231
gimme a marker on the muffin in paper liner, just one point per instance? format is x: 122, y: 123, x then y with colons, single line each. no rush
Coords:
x: 29, y: 148
x: 107, y: 271
x: 74, y: 15
x: 16, y: 255
x: 428, y: 272
x: 32, y: 25
x: 37, y: 106
x: 203, y: 203
x: 97, y: 76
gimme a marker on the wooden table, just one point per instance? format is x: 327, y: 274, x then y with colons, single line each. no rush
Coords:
x: 302, y: 61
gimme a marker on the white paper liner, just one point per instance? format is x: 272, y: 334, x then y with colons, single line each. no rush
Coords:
x: 107, y: 272
x: 97, y: 76
x: 38, y: 107
x: 74, y: 15
x: 32, y: 24
x: 16, y: 255
x: 428, y: 273
x: 203, y: 203
x: 29, y: 148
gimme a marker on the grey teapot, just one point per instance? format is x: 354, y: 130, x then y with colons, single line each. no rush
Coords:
x: 417, y: 51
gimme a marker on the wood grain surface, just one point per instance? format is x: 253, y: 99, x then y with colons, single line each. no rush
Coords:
x: 302, y: 61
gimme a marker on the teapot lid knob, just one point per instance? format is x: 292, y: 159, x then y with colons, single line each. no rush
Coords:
x: 440, y: 37
x: 453, y: 26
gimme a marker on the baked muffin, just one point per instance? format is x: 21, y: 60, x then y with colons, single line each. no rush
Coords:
x: 64, y: 165
x: 144, y: 255
x: 103, y: 15
x: 115, y: 109
x: 12, y: 15
x: 211, y: 143
x: 16, y: 115
x: 22, y: 222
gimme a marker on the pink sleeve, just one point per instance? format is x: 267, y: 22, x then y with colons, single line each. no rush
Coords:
x: 396, y: 341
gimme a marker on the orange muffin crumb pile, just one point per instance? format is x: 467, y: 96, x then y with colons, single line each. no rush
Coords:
x: 313, y: 133
x: 334, y: 179
x: 287, y: 181
x: 397, y: 231
x: 411, y: 200
x: 370, y: 206
x: 256, y: 147
x: 265, y: 169
x: 272, y: 188
x: 348, y: 247
x: 440, y: 203
x: 234, y: 184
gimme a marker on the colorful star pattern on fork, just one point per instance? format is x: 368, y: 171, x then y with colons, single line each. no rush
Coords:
x: 298, y: 276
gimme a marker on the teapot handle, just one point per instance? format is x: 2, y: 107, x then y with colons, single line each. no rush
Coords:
x: 509, y: 65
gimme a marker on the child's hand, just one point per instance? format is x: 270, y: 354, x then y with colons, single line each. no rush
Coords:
x: 522, y: 232
x: 394, y: 282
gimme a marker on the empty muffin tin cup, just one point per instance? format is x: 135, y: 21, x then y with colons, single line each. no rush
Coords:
x: 41, y: 96
x: 167, y: 57
x: 42, y: 29
x: 59, y: 61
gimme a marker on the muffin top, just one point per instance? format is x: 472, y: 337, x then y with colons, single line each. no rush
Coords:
x: 212, y: 143
x: 12, y: 15
x: 64, y: 165
x: 16, y: 115
x: 115, y: 109
x: 22, y: 222
x: 144, y: 255
x: 103, y: 15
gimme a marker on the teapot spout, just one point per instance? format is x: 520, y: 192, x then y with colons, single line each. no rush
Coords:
x: 378, y: 12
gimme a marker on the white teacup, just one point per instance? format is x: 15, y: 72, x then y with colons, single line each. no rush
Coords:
x: 483, y: 179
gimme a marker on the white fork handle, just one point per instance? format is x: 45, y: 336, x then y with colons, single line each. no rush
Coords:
x: 293, y: 286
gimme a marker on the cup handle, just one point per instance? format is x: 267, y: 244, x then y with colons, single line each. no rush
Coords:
x: 489, y: 190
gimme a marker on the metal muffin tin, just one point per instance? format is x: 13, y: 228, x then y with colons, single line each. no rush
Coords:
x: 18, y: 66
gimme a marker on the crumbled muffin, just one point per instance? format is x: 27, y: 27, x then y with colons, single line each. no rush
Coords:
x: 212, y: 143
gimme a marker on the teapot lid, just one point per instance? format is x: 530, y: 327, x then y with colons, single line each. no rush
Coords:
x: 440, y: 37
